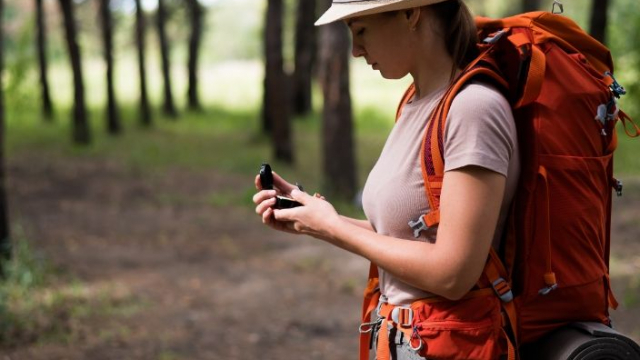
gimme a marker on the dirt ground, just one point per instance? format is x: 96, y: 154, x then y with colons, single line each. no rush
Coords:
x: 185, y: 277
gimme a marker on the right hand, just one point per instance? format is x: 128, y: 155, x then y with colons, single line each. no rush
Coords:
x: 265, y: 199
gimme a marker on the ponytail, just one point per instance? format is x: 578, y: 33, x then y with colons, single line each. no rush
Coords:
x: 459, y: 31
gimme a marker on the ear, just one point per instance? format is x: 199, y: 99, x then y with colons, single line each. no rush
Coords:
x: 412, y: 17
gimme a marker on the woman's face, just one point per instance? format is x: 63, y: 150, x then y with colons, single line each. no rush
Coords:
x: 383, y: 41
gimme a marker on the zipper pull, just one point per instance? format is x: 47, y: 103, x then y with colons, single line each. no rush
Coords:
x: 617, y: 186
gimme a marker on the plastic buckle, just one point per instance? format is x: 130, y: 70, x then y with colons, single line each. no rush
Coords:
x: 366, y: 328
x: 403, y: 316
x: 617, y: 89
x: 619, y: 188
x: 493, y: 39
x: 547, y: 290
x: 503, y: 290
x: 418, y: 226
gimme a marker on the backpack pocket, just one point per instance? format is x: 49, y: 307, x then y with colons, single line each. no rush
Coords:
x: 464, y: 329
x: 569, y: 239
x: 572, y: 207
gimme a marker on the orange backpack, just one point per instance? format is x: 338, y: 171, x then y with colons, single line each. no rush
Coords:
x: 553, y: 265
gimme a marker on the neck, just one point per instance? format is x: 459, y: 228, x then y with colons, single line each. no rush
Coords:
x: 432, y: 69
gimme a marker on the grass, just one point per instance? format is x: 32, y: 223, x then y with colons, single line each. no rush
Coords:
x: 225, y: 136
x: 35, y: 307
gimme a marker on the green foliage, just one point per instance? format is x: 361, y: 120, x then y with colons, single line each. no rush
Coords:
x: 19, y: 70
x: 23, y: 275
x: 36, y: 307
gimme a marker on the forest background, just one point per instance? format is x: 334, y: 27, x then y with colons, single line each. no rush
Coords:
x: 135, y: 238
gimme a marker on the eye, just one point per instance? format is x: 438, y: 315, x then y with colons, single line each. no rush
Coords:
x: 360, y: 32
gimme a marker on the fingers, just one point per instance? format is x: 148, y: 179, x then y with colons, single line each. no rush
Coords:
x: 263, y: 195
x: 267, y: 216
x: 300, y: 196
x: 286, y: 215
x: 256, y: 181
x: 265, y: 205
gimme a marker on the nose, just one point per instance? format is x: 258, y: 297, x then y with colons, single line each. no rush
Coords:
x: 357, y: 50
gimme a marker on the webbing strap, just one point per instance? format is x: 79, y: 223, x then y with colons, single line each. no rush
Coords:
x: 369, y: 303
x: 511, y: 349
x: 535, y: 78
x: 625, y: 118
x: 544, y: 214
x: 408, y: 94
x: 537, y: 67
x: 432, y: 152
x: 383, y: 351
x: 386, y: 310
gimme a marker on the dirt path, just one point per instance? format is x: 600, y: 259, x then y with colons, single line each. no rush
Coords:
x: 174, y: 276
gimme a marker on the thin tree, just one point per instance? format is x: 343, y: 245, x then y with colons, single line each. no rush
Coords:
x: 196, y: 13
x: 305, y: 45
x: 145, y: 111
x: 169, y: 108
x: 81, y: 131
x: 339, y: 167
x: 276, y: 105
x: 5, y: 242
x: 598, y: 24
x: 530, y: 5
x: 113, y: 120
x: 47, y: 105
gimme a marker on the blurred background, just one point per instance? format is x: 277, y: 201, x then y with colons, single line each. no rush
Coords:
x: 131, y: 132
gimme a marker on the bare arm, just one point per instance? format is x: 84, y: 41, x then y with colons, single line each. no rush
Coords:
x: 469, y: 210
x: 365, y: 224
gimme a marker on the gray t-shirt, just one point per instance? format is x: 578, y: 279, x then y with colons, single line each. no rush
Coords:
x: 480, y: 131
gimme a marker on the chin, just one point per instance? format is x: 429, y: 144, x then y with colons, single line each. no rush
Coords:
x: 392, y: 76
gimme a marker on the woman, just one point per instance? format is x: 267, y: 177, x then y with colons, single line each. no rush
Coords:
x: 432, y: 40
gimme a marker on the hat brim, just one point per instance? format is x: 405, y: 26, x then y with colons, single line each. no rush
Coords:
x: 341, y: 11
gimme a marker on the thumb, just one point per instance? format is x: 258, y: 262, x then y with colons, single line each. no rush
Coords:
x: 300, y: 196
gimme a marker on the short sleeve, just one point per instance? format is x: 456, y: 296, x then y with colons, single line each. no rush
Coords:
x: 480, y: 130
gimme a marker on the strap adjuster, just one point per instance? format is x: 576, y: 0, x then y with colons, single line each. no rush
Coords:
x: 403, y: 316
x: 492, y: 39
x: 503, y: 290
x: 418, y: 226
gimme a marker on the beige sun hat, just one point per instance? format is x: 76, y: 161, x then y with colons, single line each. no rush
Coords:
x: 343, y: 9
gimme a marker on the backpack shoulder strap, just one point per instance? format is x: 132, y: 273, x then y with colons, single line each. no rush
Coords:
x: 432, y: 150
x: 408, y: 94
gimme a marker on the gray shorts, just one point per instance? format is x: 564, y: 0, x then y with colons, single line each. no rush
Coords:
x: 399, y: 346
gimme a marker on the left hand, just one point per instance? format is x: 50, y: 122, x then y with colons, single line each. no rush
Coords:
x: 316, y: 216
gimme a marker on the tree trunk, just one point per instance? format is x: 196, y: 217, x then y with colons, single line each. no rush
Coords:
x: 530, y: 5
x: 598, y: 26
x: 81, y: 132
x: 169, y: 107
x: 113, y: 121
x: 5, y: 242
x: 196, y: 15
x: 339, y: 167
x: 305, y: 46
x: 276, y: 106
x: 47, y: 105
x: 145, y: 110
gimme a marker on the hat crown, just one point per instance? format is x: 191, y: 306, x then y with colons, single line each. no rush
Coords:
x: 343, y: 9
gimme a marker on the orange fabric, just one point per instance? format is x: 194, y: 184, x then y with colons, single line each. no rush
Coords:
x: 466, y: 329
x: 534, y: 78
x: 369, y: 303
x: 558, y: 232
x: 559, y: 228
x: 383, y: 351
